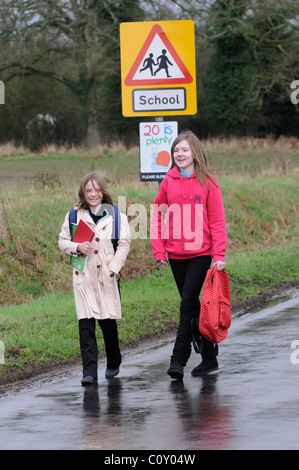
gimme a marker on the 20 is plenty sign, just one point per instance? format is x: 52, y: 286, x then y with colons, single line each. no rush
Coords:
x: 156, y: 139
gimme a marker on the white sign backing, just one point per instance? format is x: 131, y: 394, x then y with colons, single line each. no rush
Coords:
x: 156, y: 139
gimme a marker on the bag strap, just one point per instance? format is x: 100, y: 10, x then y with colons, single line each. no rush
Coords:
x: 210, y: 274
x: 72, y: 220
x: 115, y: 227
x: 223, y: 281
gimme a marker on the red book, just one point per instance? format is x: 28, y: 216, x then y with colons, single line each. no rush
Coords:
x: 83, y: 233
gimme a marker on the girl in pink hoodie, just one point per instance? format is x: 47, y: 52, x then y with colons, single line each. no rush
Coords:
x: 188, y: 229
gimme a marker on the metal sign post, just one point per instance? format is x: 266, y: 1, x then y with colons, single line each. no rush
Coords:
x: 158, y: 76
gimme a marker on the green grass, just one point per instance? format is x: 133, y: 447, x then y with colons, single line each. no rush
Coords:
x: 41, y: 330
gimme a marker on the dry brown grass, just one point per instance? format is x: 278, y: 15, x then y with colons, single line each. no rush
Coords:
x: 248, y: 143
x: 10, y: 149
x: 282, y: 144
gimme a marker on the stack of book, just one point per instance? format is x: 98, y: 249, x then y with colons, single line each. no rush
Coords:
x: 82, y: 233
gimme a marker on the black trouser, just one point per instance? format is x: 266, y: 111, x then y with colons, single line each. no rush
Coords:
x: 189, y: 275
x: 89, y: 349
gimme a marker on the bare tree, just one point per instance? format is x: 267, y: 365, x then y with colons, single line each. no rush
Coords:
x: 70, y: 41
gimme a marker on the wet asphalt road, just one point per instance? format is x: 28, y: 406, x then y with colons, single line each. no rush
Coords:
x: 253, y: 403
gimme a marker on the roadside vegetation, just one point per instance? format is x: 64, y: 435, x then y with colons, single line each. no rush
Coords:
x: 38, y: 327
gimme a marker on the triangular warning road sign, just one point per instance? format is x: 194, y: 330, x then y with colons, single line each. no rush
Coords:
x: 158, y: 63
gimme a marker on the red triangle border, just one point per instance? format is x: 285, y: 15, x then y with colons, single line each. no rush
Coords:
x: 156, y: 29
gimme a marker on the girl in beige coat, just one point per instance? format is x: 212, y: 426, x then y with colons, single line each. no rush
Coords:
x: 96, y: 290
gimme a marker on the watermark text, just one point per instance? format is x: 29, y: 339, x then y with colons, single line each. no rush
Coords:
x: 180, y: 222
x: 2, y: 352
x: 295, y: 93
x: 295, y: 354
x: 2, y: 93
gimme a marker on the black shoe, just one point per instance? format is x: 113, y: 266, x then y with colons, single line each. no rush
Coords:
x: 88, y: 380
x: 110, y: 373
x: 176, y: 371
x: 207, y: 366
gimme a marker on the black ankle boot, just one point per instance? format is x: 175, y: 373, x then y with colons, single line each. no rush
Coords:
x: 176, y: 371
x: 207, y: 366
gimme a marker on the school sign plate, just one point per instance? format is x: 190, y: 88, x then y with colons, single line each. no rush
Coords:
x: 158, y: 68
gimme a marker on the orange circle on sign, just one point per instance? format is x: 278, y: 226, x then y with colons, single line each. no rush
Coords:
x: 163, y: 158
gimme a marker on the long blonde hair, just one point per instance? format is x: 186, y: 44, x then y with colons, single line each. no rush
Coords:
x: 93, y: 177
x: 203, y: 174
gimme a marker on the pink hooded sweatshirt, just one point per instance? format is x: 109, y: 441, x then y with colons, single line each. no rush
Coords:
x: 188, y: 219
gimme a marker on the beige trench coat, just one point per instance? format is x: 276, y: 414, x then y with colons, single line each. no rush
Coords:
x: 96, y: 290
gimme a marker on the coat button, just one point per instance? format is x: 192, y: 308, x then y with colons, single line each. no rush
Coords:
x: 98, y: 266
x: 76, y: 272
x: 95, y: 252
x: 112, y: 275
x: 97, y: 239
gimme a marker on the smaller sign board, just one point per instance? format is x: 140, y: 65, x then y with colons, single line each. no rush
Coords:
x: 156, y: 139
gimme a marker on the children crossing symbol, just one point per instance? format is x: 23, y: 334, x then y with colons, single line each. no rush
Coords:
x: 158, y: 63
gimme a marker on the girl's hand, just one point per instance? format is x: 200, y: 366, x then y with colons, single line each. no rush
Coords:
x: 220, y: 265
x: 162, y: 261
x: 85, y: 248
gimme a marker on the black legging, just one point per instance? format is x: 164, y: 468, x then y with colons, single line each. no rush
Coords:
x: 89, y: 349
x: 189, y: 275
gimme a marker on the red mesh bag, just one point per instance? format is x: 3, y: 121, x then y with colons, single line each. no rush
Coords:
x: 215, y: 309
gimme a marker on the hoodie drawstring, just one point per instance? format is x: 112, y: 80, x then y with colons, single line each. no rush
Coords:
x: 190, y: 180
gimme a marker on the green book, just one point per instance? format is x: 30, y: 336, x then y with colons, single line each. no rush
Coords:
x: 78, y: 262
